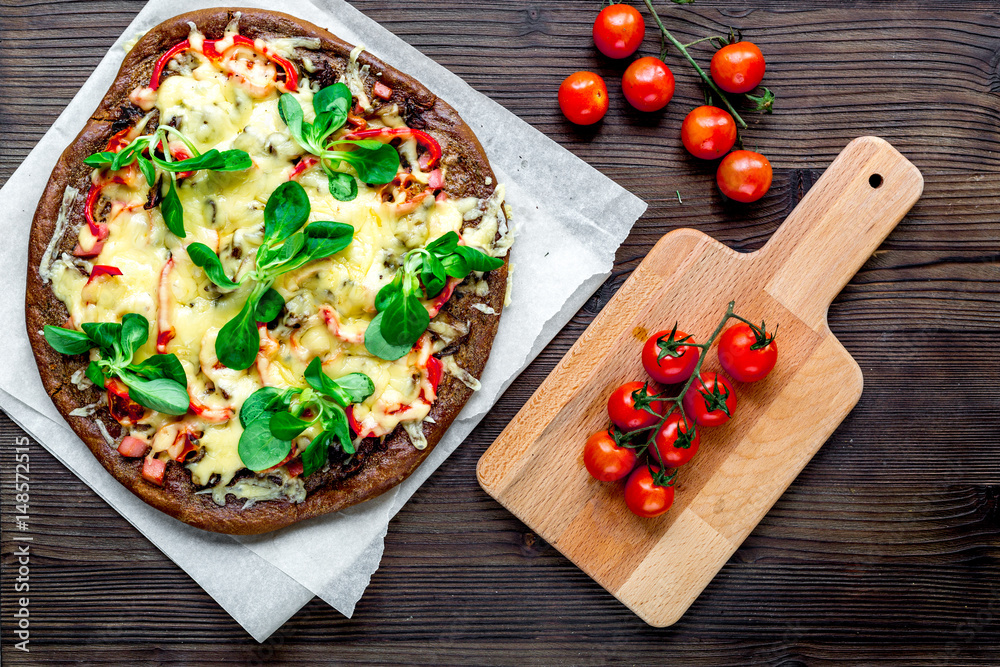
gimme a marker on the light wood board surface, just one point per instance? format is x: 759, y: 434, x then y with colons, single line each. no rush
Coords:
x: 657, y: 567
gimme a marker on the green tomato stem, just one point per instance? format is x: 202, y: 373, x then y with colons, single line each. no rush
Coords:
x: 708, y: 80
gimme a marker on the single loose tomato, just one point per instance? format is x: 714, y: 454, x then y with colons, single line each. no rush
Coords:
x: 623, y: 411
x: 708, y: 132
x: 618, y: 30
x: 744, y: 176
x: 666, y: 359
x: 648, y: 84
x: 605, y: 459
x: 710, y: 401
x: 583, y: 98
x: 644, y: 496
x: 747, y: 353
x: 676, y: 442
x: 738, y: 68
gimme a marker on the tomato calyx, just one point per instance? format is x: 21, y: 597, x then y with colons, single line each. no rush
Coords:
x: 661, y: 476
x: 715, y: 399
x: 763, y: 103
x: 644, y: 400
x: 670, y: 345
x: 760, y: 333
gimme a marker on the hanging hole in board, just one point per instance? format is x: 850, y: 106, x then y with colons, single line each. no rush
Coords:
x: 875, y: 180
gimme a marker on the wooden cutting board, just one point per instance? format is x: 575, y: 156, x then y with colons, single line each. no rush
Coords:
x: 658, y: 567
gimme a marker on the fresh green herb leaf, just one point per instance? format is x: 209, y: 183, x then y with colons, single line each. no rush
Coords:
x: 286, y: 211
x: 238, y: 341
x: 342, y: 186
x: 291, y: 114
x: 404, y: 321
x: 333, y: 99
x: 432, y: 275
x: 162, y: 395
x: 264, y: 401
x: 147, y: 169
x: 455, y: 266
x: 444, y: 244
x: 206, y: 258
x: 67, y: 341
x: 337, y: 423
x: 102, y: 159
x: 269, y: 306
x: 477, y: 260
x: 161, y: 366
x: 106, y: 335
x: 259, y: 450
x: 376, y: 343
x: 374, y: 161
x: 134, y: 333
x: 325, y: 238
x: 315, y: 455
x: 173, y: 211
x: 231, y: 160
x: 95, y: 374
x: 388, y: 293
x: 286, y: 426
x: 345, y: 390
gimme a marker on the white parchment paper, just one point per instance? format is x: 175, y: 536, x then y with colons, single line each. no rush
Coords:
x: 570, y: 221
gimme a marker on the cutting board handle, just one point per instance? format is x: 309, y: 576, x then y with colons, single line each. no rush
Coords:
x: 840, y: 222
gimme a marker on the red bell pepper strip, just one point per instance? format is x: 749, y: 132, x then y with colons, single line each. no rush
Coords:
x: 154, y: 80
x: 99, y: 230
x: 303, y: 165
x: 153, y: 471
x: 428, y: 142
x: 208, y: 50
x: 103, y: 270
x: 132, y: 447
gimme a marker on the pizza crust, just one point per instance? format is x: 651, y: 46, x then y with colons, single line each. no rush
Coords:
x: 380, y: 463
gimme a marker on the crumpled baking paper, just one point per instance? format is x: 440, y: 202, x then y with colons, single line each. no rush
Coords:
x: 569, y: 218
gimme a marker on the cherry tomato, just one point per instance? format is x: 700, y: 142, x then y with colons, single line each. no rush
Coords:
x: 744, y: 176
x: 644, y: 497
x: 738, y: 355
x: 605, y: 459
x: 618, y: 30
x: 676, y: 442
x: 648, y: 84
x: 583, y: 98
x: 719, y: 389
x: 661, y: 365
x: 738, y: 68
x: 621, y: 407
x: 708, y: 132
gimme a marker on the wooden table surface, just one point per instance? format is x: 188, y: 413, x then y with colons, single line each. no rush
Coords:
x: 886, y: 547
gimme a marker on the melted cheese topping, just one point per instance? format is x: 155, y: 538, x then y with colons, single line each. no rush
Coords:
x: 329, y: 302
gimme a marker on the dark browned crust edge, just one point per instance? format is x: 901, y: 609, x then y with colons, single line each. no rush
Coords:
x: 388, y: 462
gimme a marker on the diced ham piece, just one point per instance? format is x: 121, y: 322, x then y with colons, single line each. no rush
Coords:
x: 435, y: 180
x: 132, y: 447
x: 153, y: 470
x: 382, y: 90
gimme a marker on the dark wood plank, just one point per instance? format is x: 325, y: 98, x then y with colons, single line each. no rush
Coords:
x: 884, y: 550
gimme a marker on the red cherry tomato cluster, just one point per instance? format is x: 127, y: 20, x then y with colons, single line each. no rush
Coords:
x: 662, y: 423
x: 708, y: 132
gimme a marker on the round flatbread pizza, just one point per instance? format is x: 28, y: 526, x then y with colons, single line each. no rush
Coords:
x: 267, y: 275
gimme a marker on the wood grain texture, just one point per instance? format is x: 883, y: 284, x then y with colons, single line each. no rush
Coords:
x: 886, y: 549
x: 657, y: 567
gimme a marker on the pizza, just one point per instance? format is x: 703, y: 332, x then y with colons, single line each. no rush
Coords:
x: 267, y: 275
